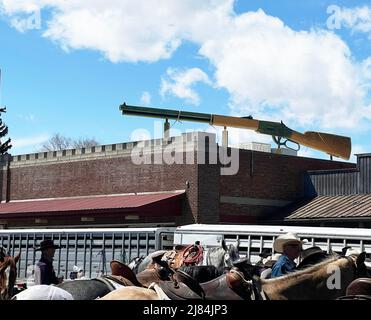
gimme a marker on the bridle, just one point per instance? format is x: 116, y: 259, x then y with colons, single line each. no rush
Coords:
x: 353, y: 264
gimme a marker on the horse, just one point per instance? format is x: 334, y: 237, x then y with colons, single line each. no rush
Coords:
x: 121, y: 276
x: 317, y: 282
x: 88, y: 289
x: 132, y: 293
x: 43, y: 292
x: 8, y: 274
x: 222, y: 256
x: 233, y: 284
x: 312, y: 283
x: 203, y: 273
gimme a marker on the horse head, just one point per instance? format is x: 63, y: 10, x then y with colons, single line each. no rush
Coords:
x: 231, y: 253
x: 360, y: 266
x: 8, y: 274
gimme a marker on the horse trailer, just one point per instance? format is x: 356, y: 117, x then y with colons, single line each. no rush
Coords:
x: 89, y: 249
x: 253, y: 239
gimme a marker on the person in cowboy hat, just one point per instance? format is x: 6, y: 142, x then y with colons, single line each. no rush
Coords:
x: 290, y: 246
x: 44, y: 271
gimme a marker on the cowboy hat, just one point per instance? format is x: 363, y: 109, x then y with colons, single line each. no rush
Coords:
x: 286, y: 239
x: 265, y: 253
x: 46, y: 244
x: 312, y: 252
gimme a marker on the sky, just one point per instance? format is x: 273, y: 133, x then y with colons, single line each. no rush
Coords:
x: 67, y: 66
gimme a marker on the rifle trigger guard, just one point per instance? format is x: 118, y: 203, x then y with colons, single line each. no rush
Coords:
x: 284, y: 143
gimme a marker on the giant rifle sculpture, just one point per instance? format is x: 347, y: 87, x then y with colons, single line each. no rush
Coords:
x: 334, y: 145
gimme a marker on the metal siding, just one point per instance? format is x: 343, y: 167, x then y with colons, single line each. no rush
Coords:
x: 365, y: 174
x: 367, y: 182
x: 331, y: 184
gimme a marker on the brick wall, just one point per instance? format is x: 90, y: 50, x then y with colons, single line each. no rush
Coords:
x: 102, y: 176
x: 268, y: 176
x: 208, y: 193
x: 111, y: 171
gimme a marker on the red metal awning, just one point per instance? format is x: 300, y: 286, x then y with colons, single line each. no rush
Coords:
x: 141, y: 204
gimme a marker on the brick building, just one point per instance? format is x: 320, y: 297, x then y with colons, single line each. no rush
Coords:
x: 101, y: 186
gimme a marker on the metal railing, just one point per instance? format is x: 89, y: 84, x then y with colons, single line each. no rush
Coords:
x: 93, y: 249
x: 253, y: 239
x: 89, y: 249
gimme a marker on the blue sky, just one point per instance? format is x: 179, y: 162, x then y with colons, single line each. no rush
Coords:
x: 68, y: 65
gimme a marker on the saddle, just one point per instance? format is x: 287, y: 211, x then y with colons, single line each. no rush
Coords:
x: 359, y: 286
x: 174, y: 258
x: 122, y: 281
x: 148, y: 276
x: 123, y: 273
x: 229, y: 286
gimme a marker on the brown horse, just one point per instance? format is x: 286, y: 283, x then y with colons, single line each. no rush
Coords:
x: 132, y: 293
x: 327, y: 280
x: 8, y: 274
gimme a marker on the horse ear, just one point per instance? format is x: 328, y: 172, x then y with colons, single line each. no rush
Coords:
x: 238, y: 244
x: 361, y: 258
x: 224, y: 246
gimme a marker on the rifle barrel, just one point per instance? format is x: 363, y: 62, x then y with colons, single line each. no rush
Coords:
x: 166, y: 114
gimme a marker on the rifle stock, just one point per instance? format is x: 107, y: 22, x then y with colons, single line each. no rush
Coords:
x: 334, y: 145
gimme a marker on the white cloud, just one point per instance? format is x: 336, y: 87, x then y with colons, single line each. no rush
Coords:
x: 29, y: 144
x: 307, y: 78
x: 299, y: 77
x: 358, y: 19
x: 27, y: 117
x: 123, y: 30
x: 179, y: 83
x: 145, y: 98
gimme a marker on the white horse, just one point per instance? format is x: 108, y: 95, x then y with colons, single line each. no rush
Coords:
x: 43, y: 292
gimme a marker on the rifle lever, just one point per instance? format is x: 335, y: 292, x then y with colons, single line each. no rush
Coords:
x: 284, y: 143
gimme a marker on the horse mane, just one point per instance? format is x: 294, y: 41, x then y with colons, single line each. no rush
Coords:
x: 203, y: 273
